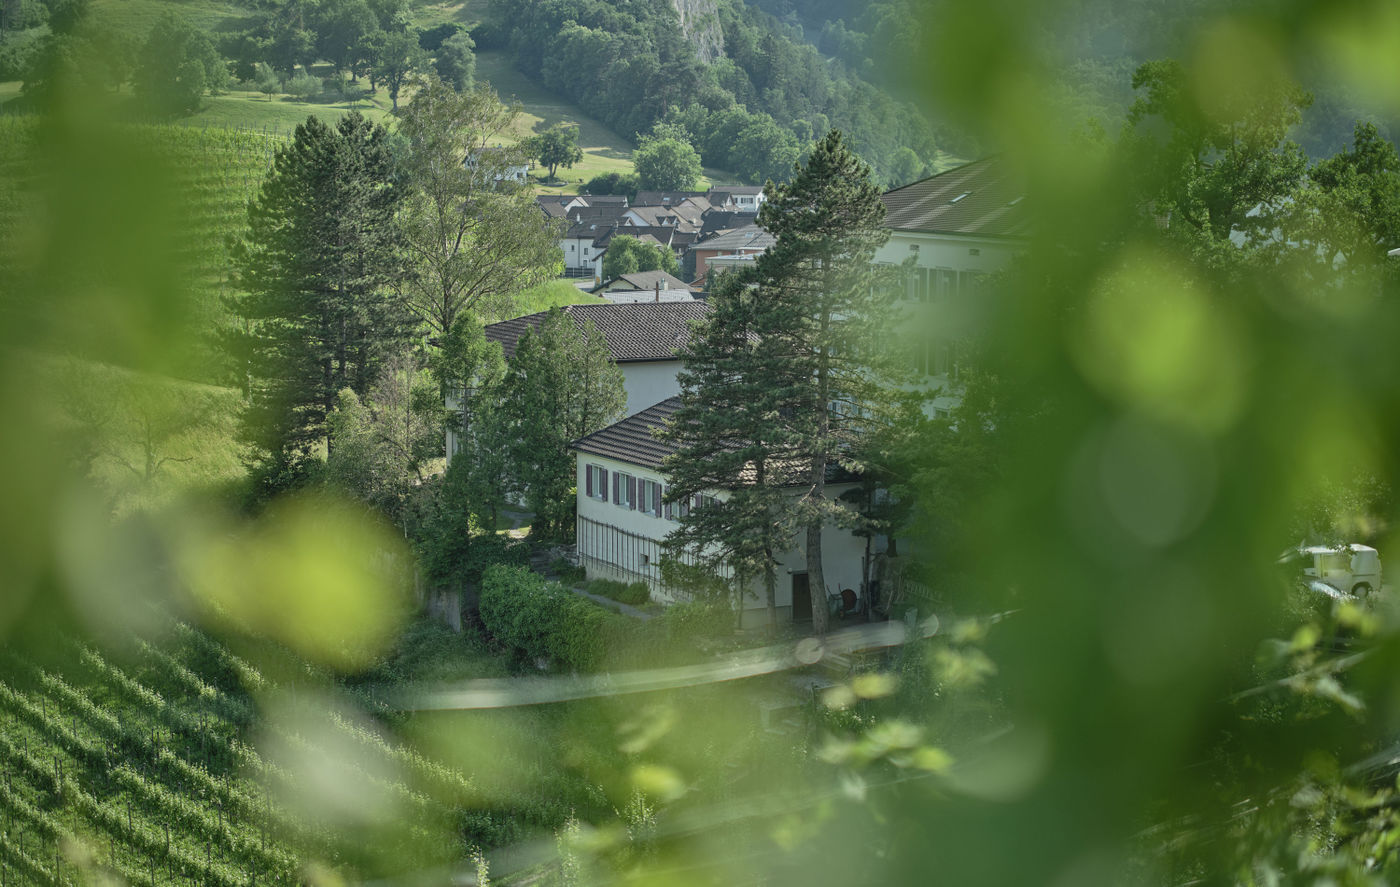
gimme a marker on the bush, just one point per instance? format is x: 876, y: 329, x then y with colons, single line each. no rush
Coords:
x: 626, y: 183
x: 566, y: 571
x: 543, y: 620
x: 635, y: 593
x: 699, y: 619
x: 304, y: 86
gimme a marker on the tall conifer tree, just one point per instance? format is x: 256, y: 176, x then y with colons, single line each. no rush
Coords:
x: 315, y: 267
x: 733, y: 436
x: 832, y: 313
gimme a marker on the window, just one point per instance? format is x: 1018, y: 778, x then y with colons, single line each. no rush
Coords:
x: 920, y: 284
x: 624, y: 490
x: 946, y: 285
x: 942, y: 359
x: 596, y: 482
x: 649, y: 500
x: 646, y: 561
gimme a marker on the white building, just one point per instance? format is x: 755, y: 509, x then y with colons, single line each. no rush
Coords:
x: 959, y: 226
x: 622, y: 522
x: 642, y: 337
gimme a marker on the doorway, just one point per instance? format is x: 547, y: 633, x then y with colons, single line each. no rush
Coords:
x: 801, y: 598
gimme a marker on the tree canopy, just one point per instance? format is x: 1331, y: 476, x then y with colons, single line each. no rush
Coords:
x: 627, y: 255
x: 667, y: 164
x: 315, y: 270
x: 556, y: 147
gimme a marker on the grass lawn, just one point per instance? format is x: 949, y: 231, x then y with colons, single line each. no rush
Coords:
x: 550, y: 294
x: 136, y: 16
x: 251, y: 110
x: 9, y: 89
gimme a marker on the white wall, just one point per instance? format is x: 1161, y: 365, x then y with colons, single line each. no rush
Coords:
x: 950, y: 251
x: 649, y: 382
x: 604, y: 555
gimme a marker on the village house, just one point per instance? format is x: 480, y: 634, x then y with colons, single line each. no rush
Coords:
x: 623, y: 522
x: 642, y: 286
x: 643, y: 339
x: 728, y: 249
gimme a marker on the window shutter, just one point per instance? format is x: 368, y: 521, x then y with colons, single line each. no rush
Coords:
x: 656, y: 499
x: 588, y: 480
x: 617, y: 489
x: 603, y: 484
x: 668, y: 510
x: 631, y: 492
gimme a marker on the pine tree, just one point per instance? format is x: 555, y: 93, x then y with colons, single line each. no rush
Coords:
x: 831, y: 312
x: 314, y: 269
x: 733, y: 436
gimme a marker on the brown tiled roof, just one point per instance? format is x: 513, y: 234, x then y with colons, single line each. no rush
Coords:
x: 665, y: 198
x: 979, y: 198
x: 646, y: 280
x: 631, y: 440
x: 747, y: 237
x: 635, y: 331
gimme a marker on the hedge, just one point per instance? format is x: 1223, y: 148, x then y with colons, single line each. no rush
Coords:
x: 543, y: 620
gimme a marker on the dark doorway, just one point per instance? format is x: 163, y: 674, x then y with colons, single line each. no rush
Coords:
x: 801, y: 598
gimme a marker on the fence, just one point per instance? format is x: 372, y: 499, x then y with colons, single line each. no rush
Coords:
x: 632, y: 556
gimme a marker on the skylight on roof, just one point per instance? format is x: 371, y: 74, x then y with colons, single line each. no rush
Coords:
x: 960, y: 197
x: 1016, y: 200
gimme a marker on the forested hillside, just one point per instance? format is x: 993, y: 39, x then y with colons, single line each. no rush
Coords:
x: 1097, y: 46
x: 754, y: 110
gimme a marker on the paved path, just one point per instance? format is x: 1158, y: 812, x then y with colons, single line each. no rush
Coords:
x: 619, y: 606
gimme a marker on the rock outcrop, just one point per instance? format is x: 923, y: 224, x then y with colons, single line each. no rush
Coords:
x: 700, y: 25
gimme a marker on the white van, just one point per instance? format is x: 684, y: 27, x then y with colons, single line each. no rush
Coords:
x: 1354, y: 569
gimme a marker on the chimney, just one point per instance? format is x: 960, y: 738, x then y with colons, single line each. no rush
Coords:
x: 658, y: 290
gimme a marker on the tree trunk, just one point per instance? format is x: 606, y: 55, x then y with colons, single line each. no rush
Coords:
x: 816, y: 582
x: 770, y: 586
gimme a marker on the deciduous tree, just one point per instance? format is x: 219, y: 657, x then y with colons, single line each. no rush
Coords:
x: 177, y: 65
x: 561, y: 384
x: 667, y: 165
x: 556, y: 147
x: 628, y: 255
x: 471, y: 239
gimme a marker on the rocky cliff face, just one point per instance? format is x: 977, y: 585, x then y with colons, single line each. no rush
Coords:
x: 700, y: 25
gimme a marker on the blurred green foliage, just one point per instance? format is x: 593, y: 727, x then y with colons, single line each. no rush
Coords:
x: 1193, y: 358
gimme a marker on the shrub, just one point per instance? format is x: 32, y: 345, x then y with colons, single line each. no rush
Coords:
x: 566, y: 571
x: 635, y: 593
x: 699, y: 619
x: 304, y: 86
x: 543, y: 620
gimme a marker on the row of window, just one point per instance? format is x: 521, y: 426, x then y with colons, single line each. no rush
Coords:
x: 637, y: 494
x: 939, y: 284
x: 933, y: 358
